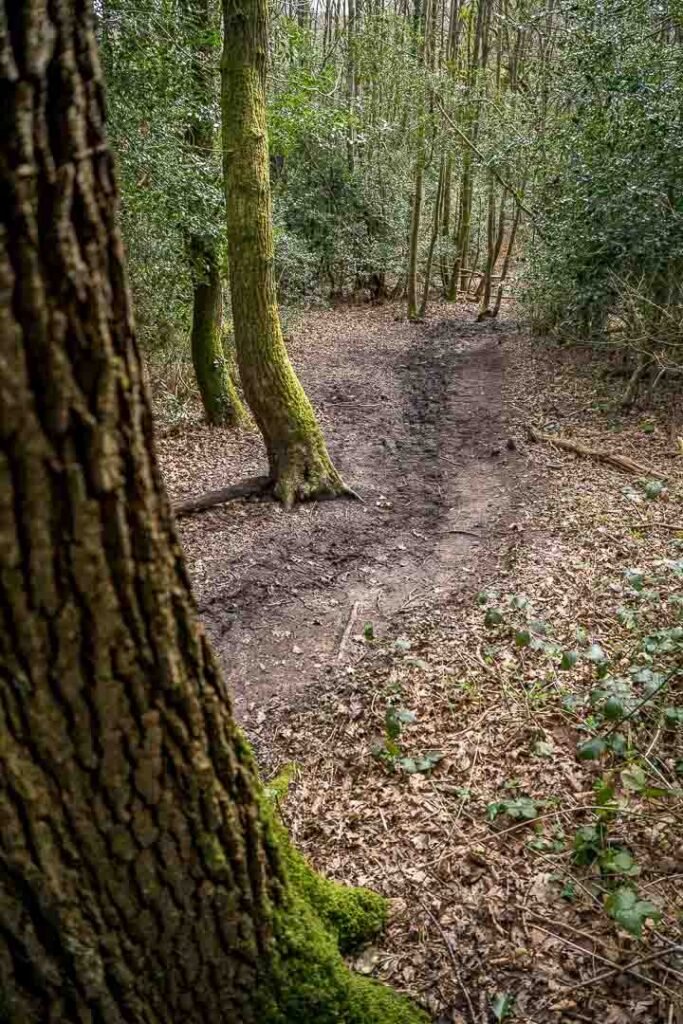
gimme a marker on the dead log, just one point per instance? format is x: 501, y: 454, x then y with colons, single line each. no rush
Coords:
x: 622, y: 462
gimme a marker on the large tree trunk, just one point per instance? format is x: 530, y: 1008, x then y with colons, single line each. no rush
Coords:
x: 300, y: 466
x: 143, y: 879
x: 213, y: 367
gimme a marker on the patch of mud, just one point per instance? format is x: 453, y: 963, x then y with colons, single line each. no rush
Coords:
x: 413, y: 418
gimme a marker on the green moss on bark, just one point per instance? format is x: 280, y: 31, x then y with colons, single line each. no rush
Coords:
x: 300, y: 465
x: 319, y: 920
x: 313, y: 985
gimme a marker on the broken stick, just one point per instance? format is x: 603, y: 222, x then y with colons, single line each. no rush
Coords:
x: 622, y: 462
x: 347, y: 631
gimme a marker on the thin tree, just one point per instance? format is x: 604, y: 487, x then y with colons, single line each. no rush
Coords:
x: 299, y: 463
x: 143, y: 877
x: 212, y: 358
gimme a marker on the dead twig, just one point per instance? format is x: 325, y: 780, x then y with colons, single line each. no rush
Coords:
x: 456, y: 970
x: 676, y: 527
x: 599, y: 455
x: 347, y: 632
x: 657, y: 955
x: 626, y: 969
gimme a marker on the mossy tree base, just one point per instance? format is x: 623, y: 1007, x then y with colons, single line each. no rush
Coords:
x: 322, y: 920
x: 303, y: 472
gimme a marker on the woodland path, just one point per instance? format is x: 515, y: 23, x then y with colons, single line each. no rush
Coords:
x: 413, y: 418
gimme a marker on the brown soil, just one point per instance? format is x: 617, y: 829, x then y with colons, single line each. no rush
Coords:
x: 413, y: 418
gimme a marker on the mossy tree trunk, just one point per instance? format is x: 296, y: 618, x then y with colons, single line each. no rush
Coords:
x: 300, y: 466
x: 143, y: 879
x: 213, y: 367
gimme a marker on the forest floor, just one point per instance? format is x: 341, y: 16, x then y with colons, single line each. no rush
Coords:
x: 423, y: 658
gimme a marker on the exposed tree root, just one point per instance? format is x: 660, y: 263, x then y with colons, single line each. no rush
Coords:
x: 610, y: 458
x: 252, y: 487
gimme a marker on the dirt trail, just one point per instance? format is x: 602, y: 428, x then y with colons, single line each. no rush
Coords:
x: 413, y: 418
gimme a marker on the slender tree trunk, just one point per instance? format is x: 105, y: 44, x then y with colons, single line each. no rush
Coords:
x: 143, y: 877
x: 507, y: 259
x: 351, y: 84
x: 490, y: 251
x: 432, y: 241
x: 414, y: 244
x: 446, y: 222
x: 498, y: 243
x: 300, y: 466
x: 212, y: 365
x: 462, y: 240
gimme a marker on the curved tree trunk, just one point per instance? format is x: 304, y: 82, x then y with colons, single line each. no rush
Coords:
x: 143, y: 879
x: 300, y: 466
x: 212, y: 365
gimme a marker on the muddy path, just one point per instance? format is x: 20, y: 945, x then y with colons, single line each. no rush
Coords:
x: 414, y: 420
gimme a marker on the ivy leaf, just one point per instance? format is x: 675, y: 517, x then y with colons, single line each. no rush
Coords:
x: 634, y: 778
x: 501, y: 1005
x: 613, y: 709
x: 543, y: 749
x: 395, y: 719
x: 493, y: 618
x: 425, y: 763
x: 592, y: 749
x: 405, y: 716
x: 569, y: 659
x: 596, y: 654
x: 523, y: 638
x: 630, y: 912
x: 618, y: 862
x: 627, y: 617
x: 617, y: 744
x: 635, y: 578
x: 653, y: 489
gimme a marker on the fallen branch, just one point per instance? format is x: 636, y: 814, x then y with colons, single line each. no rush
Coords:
x: 253, y: 485
x: 676, y: 527
x: 610, y: 458
x: 347, y: 632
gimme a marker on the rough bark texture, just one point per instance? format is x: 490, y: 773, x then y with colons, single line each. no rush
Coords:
x: 299, y: 462
x: 142, y: 878
x: 220, y: 398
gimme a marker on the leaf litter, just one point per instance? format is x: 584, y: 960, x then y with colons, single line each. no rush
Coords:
x: 439, y: 764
